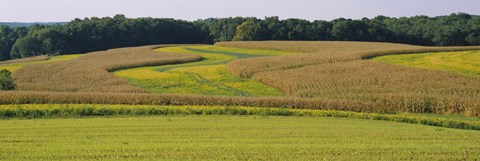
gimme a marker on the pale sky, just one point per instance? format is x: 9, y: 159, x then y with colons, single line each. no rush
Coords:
x: 66, y: 10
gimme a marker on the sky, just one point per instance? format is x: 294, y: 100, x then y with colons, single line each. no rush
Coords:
x: 66, y: 10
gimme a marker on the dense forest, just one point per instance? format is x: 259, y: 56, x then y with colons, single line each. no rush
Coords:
x: 92, y: 34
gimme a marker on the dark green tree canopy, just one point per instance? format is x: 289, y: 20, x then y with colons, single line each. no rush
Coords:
x: 93, y: 34
x: 6, y: 80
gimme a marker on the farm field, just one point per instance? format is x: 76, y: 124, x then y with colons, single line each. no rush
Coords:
x: 463, y: 62
x: 189, y: 75
x: 242, y: 101
x: 342, y: 72
x: 206, y: 77
x: 232, y: 138
x: 90, y: 73
x: 15, y: 66
x: 37, y: 111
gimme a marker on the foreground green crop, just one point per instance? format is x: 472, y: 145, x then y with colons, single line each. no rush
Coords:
x: 231, y: 138
x: 463, y: 62
x: 31, y: 111
x: 206, y: 77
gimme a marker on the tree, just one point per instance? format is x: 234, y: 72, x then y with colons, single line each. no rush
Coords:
x: 321, y: 30
x: 26, y: 47
x: 6, y: 80
x: 473, y: 39
x: 248, y: 31
x: 7, y: 39
x: 350, y: 30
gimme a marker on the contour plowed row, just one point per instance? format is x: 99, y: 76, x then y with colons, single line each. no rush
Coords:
x: 90, y: 73
x: 336, y: 70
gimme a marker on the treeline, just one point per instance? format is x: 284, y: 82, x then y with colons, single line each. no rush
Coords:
x: 459, y: 29
x: 92, y: 34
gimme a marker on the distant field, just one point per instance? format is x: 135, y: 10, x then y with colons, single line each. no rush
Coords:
x: 339, y: 70
x: 231, y: 138
x: 15, y: 66
x: 464, y: 62
x: 206, y: 77
x: 331, y: 75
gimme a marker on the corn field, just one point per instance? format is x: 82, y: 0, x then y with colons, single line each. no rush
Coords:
x: 341, y: 70
x: 328, y: 76
x: 90, y: 73
x: 28, y: 59
x: 318, y: 52
x: 389, y: 104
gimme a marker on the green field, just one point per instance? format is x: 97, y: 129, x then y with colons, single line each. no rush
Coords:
x: 231, y: 138
x: 463, y: 62
x: 16, y: 66
x: 206, y: 77
x: 36, y: 111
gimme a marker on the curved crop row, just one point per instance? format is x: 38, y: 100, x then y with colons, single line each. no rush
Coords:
x: 90, y: 73
x: 318, y: 52
x: 385, y: 104
x: 336, y: 70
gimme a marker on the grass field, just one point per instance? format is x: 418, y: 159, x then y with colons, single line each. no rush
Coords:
x: 15, y: 66
x: 463, y: 62
x: 231, y: 138
x: 206, y: 77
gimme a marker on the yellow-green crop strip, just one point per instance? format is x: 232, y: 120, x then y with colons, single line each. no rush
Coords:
x: 463, y: 62
x: 231, y: 138
x: 15, y: 66
x: 206, y: 77
x: 34, y: 111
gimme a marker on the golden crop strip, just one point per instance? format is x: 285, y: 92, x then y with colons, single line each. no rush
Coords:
x: 318, y: 52
x: 386, y: 104
x: 28, y: 59
x: 90, y: 73
x: 14, y: 65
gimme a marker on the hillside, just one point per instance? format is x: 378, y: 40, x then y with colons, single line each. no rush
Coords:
x: 244, y: 100
x: 343, y: 80
x: 90, y: 72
